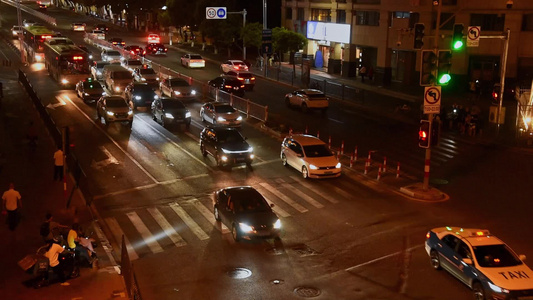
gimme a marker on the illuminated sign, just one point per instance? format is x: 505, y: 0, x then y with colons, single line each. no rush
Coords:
x: 331, y: 32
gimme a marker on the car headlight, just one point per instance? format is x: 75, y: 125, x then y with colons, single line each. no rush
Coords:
x: 221, y: 119
x: 252, y: 156
x: 117, y: 89
x: 224, y: 158
x: 90, y: 57
x: 251, y: 149
x: 170, y: 116
x: 138, y: 97
x: 85, y: 94
x: 157, y: 78
x: 110, y: 113
x: 245, y: 227
x: 104, y: 93
x: 156, y: 97
x: 338, y: 166
x: 498, y: 289
x: 130, y: 112
x: 143, y: 79
x: 188, y: 114
x: 313, y: 167
x: 64, y: 81
x: 239, y: 118
x: 277, y: 225
x: 177, y: 93
x: 98, y: 73
x: 193, y: 92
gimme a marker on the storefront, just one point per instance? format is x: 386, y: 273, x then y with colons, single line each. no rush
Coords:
x: 327, y: 42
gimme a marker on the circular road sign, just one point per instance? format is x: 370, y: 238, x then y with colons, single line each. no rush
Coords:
x: 221, y: 13
x: 432, y: 95
x: 211, y: 13
x: 473, y: 32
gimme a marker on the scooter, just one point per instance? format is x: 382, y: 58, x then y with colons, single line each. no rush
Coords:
x: 44, y: 274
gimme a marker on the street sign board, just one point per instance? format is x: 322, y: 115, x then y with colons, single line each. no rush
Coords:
x: 472, y: 38
x: 266, y: 41
x: 432, y: 99
x: 212, y: 13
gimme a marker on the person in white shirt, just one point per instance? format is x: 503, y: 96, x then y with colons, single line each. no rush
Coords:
x: 59, y: 159
x: 53, y: 257
x: 11, y: 203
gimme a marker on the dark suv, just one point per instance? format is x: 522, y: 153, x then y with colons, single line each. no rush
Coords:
x: 140, y: 94
x: 155, y: 48
x: 226, y: 145
x: 246, y: 78
x: 228, y: 84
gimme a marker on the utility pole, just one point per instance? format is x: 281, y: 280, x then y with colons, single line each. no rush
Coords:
x: 502, y: 77
x: 21, y: 36
x: 243, y: 13
x: 264, y: 28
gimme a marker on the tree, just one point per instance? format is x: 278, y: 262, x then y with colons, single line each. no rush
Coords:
x: 251, y: 34
x: 284, y: 40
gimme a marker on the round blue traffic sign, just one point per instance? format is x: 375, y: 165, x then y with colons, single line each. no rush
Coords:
x: 221, y: 12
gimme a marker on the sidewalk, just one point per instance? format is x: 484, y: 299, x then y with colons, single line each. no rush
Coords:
x: 31, y: 172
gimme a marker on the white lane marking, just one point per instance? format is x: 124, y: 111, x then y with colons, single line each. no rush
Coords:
x: 337, y: 121
x: 176, y: 144
x: 189, y: 221
x: 278, y: 210
x: 118, y: 233
x: 169, y: 230
x: 339, y: 191
x: 147, y: 236
x: 104, y: 163
x: 114, y: 142
x: 209, y: 216
x: 302, y: 195
x: 283, y: 197
x: 381, y: 258
x: 316, y: 191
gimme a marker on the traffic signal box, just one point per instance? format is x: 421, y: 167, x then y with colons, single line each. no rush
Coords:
x: 457, y: 39
x: 419, y: 36
x: 424, y: 134
x: 444, y: 67
x: 428, y: 68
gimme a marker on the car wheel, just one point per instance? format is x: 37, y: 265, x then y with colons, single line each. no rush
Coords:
x: 106, y: 122
x: 435, y: 260
x: 479, y: 292
x: 153, y: 116
x: 163, y: 121
x: 98, y: 116
x: 288, y: 102
x: 305, y: 173
x: 215, y: 212
x: 218, y: 160
x: 304, y: 107
x: 78, y: 94
x: 235, y: 233
x: 188, y: 125
x: 284, y: 160
x: 130, y: 124
x: 202, y: 117
x: 202, y: 149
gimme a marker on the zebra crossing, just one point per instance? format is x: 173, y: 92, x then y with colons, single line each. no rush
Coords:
x: 151, y: 230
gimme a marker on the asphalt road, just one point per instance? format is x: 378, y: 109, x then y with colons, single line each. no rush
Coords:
x: 345, y: 238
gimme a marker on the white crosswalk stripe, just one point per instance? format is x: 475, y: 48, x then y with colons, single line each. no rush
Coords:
x: 301, y: 194
x: 312, y: 188
x: 209, y: 215
x: 277, y: 210
x: 283, y: 197
x: 118, y: 233
x: 167, y: 228
x: 148, y: 238
x: 186, y: 218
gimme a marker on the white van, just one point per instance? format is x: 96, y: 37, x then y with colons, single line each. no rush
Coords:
x: 116, y: 78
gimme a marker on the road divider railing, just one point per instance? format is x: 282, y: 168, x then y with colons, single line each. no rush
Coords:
x: 204, y: 92
x: 33, y: 12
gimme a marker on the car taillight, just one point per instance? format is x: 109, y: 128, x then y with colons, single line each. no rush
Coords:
x: 246, y: 68
x: 228, y: 86
x: 240, y: 78
x: 253, y: 78
x: 428, y: 235
x: 242, y: 86
x: 235, y: 67
x: 132, y: 52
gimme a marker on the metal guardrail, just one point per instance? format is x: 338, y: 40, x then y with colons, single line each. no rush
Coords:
x: 33, y: 12
x: 206, y: 92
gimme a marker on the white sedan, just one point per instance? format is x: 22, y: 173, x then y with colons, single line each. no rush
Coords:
x: 192, y: 61
x: 220, y: 113
x: 236, y: 65
x: 309, y: 155
x: 307, y: 99
x: 77, y: 26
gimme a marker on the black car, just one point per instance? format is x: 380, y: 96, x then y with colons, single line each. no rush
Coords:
x: 89, y: 53
x: 140, y: 94
x: 156, y: 48
x: 246, y: 212
x: 89, y: 90
x: 226, y: 145
x: 228, y: 84
x: 135, y: 50
x: 246, y: 78
x: 170, y: 111
x: 117, y: 42
x: 101, y: 27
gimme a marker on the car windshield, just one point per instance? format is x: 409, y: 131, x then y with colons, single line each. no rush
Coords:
x: 122, y: 75
x: 174, y: 83
x: 92, y: 85
x: 315, y: 96
x: 248, y: 200
x: 224, y: 109
x: 147, y: 71
x: 169, y: 104
x: 101, y: 65
x: 496, y: 256
x: 239, y: 63
x: 230, y: 136
x: 113, y: 53
x: 116, y: 103
x: 196, y: 57
x: 317, y: 151
x: 143, y: 88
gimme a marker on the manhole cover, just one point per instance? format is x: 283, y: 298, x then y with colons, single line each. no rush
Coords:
x: 239, y: 273
x: 307, y: 292
x: 277, y: 281
x: 304, y: 250
x: 274, y: 251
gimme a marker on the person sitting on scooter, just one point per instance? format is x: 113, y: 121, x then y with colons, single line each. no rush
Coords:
x: 73, y: 243
x: 53, y: 256
x: 50, y: 229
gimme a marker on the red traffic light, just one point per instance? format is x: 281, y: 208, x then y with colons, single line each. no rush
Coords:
x: 424, y: 134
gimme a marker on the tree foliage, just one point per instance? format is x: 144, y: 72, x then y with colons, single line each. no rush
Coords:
x: 252, y: 34
x: 284, y: 40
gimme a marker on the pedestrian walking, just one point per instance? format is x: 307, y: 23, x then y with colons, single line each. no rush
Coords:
x: 11, y: 201
x: 362, y: 72
x: 59, y: 160
x: 370, y: 73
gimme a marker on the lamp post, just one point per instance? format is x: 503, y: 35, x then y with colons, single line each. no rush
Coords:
x: 21, y: 36
x: 265, y: 14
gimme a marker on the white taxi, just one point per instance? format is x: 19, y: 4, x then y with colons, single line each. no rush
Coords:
x: 154, y: 38
x: 481, y: 261
x: 309, y: 155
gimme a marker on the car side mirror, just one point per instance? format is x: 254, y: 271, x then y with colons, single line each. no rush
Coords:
x: 468, y: 261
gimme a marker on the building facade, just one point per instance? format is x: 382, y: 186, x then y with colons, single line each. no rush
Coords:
x: 382, y: 36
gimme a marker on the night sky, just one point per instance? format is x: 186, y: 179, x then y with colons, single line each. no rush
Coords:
x: 254, y: 9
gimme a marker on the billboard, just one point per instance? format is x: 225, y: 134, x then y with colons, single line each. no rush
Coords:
x: 331, y: 32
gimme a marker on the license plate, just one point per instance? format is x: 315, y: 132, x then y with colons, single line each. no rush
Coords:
x: 247, y: 81
x: 328, y: 172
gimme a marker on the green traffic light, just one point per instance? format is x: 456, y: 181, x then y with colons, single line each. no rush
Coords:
x: 445, y: 78
x: 457, y: 45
